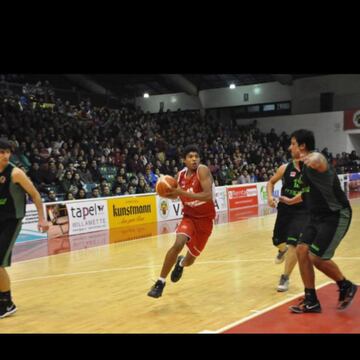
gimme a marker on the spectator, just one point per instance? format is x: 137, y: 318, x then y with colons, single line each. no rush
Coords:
x: 85, y: 174
x: 95, y: 192
x: 69, y: 196
x: 81, y: 194
x: 51, y: 197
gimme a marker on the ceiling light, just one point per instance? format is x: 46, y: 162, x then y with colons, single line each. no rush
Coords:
x: 146, y: 95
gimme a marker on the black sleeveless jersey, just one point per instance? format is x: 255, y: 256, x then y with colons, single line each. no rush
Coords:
x: 292, y: 184
x: 326, y: 194
x: 12, y: 196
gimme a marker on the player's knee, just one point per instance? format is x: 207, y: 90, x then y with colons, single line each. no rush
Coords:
x: 178, y: 245
x: 302, y: 251
x: 316, y: 260
x: 190, y: 260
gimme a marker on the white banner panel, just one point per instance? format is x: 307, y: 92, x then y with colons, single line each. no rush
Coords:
x: 168, y: 209
x: 87, y: 216
x: 344, y: 182
x: 262, y: 194
x: 221, y: 203
x: 29, y: 230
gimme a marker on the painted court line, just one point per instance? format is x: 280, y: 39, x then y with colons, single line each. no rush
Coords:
x: 259, y: 312
x: 157, y: 266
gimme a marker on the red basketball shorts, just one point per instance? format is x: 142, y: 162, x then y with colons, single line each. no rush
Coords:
x: 198, y: 230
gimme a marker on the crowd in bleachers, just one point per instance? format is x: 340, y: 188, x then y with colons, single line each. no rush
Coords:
x: 76, y: 151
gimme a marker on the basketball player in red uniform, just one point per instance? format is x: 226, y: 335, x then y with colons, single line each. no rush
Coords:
x: 196, y: 190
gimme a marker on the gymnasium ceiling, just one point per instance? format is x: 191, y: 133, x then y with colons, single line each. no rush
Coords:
x: 155, y: 84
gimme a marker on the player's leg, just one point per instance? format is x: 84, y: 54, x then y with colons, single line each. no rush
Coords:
x: 290, y: 262
x: 279, y: 237
x: 310, y: 303
x: 9, y: 232
x: 184, y: 232
x: 202, y: 231
x: 330, y: 235
x: 295, y: 227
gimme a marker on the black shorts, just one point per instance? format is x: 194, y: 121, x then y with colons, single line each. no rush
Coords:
x: 288, y: 226
x: 324, y: 232
x: 9, y: 231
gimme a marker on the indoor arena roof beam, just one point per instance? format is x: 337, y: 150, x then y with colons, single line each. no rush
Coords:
x: 181, y: 82
x: 88, y: 84
x: 283, y: 79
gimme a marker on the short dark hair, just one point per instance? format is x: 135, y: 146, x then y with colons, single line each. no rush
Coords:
x: 190, y: 148
x: 5, y: 144
x: 306, y: 137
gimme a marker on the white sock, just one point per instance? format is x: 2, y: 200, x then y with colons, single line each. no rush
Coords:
x: 162, y: 280
x: 181, y: 263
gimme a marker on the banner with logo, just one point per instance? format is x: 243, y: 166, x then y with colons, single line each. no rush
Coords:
x: 354, y: 182
x: 221, y: 217
x: 344, y: 181
x: 262, y: 193
x: 133, y: 232
x: 58, y: 219
x: 351, y: 119
x: 167, y: 227
x: 242, y: 196
x: 134, y: 210
x: 87, y: 216
x: 221, y: 203
x: 29, y: 230
x: 243, y: 213
x: 168, y: 209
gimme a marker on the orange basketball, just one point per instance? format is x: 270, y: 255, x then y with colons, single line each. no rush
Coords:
x: 164, y: 184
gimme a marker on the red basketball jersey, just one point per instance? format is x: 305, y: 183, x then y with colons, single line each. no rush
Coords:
x: 192, y: 207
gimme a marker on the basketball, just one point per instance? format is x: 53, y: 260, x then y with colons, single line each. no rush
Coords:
x: 164, y: 184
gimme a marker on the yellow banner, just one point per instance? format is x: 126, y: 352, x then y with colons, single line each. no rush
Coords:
x: 133, y: 232
x: 132, y: 211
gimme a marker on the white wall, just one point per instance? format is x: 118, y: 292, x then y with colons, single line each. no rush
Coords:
x: 327, y: 128
x: 354, y: 143
x: 217, y: 98
x: 305, y: 93
x: 258, y: 94
x: 172, y: 102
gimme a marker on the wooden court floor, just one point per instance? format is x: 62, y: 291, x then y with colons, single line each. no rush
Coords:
x: 103, y: 289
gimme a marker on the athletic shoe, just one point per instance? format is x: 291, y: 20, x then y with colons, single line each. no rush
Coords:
x: 178, y: 270
x: 346, y: 296
x: 283, y: 283
x: 306, y: 306
x: 157, y: 289
x: 6, y: 309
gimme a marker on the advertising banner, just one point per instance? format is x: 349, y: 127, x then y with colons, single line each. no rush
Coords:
x: 240, y: 196
x: 344, y: 182
x: 133, y: 232
x: 167, y: 227
x: 58, y: 219
x: 130, y: 211
x: 262, y: 194
x: 87, y: 216
x: 29, y: 230
x: 221, y: 203
x: 351, y: 119
x: 168, y: 209
x: 243, y: 213
x: 354, y: 182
